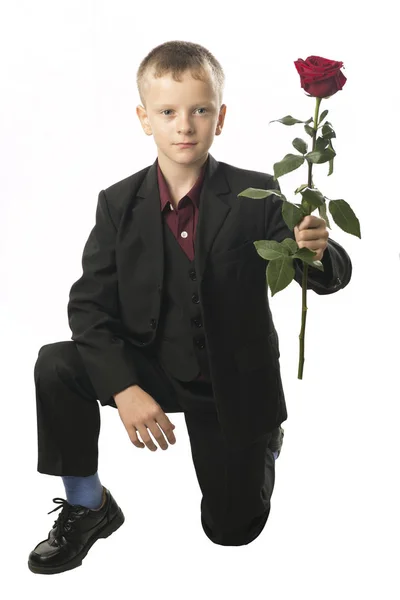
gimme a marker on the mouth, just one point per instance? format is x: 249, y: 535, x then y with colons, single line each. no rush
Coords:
x: 186, y: 144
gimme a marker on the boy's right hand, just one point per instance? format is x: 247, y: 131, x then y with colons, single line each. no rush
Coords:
x: 139, y: 411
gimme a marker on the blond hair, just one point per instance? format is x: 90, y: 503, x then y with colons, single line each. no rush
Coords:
x: 176, y: 57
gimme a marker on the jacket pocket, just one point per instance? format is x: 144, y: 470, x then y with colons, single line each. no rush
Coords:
x: 233, y: 254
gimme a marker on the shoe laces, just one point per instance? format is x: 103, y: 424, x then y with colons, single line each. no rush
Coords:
x: 67, y: 516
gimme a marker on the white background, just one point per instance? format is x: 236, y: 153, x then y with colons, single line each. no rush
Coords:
x: 69, y: 129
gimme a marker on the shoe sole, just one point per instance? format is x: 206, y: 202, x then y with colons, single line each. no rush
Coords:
x: 115, y: 524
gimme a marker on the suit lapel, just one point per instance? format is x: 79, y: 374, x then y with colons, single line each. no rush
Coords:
x: 213, y: 210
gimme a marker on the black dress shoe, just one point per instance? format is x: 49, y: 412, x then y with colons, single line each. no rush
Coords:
x: 277, y: 440
x: 73, y: 534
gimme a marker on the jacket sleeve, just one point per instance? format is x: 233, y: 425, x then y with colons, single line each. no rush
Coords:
x: 337, y: 264
x: 93, y: 312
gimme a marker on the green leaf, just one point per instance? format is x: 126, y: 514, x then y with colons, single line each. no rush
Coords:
x: 271, y: 249
x: 291, y: 245
x: 313, y: 196
x: 330, y: 167
x: 320, y: 157
x: 309, y: 130
x: 323, y: 213
x: 322, y: 116
x: 301, y: 187
x: 291, y: 214
x: 289, y: 163
x: 306, y: 208
x: 327, y: 131
x: 280, y: 273
x: 289, y: 120
x: 344, y: 217
x: 300, y: 145
x: 307, y: 255
x: 259, y: 193
x: 321, y: 144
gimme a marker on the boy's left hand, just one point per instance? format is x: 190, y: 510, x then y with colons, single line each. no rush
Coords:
x: 312, y: 233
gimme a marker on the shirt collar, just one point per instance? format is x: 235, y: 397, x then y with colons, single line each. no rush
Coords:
x: 194, y: 193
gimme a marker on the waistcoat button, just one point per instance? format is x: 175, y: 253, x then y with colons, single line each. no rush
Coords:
x: 200, y: 343
x: 195, y: 299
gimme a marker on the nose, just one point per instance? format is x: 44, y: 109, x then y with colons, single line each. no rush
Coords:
x: 184, y: 126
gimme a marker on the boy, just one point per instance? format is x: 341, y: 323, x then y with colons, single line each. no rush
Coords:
x: 171, y: 315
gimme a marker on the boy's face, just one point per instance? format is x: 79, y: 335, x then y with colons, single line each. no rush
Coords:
x: 185, y: 111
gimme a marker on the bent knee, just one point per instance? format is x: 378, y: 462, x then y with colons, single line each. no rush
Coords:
x: 51, y: 355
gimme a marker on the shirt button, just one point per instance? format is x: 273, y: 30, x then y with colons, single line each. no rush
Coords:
x: 184, y: 234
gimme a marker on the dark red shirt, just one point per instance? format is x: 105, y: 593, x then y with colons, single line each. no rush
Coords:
x: 183, y: 220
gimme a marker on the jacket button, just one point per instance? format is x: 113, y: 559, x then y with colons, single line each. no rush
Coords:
x: 195, y: 299
x: 153, y: 323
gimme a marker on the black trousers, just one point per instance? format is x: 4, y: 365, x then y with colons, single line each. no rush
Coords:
x: 236, y: 485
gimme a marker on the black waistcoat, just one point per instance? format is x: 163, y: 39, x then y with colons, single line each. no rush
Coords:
x: 181, y: 347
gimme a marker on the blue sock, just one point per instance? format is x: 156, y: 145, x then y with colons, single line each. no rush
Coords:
x: 86, y: 491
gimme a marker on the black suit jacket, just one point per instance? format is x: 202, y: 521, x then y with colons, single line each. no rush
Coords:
x: 116, y: 301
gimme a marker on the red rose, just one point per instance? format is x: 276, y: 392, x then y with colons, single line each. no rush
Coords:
x: 320, y: 77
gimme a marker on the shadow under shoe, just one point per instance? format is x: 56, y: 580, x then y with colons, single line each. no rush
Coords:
x: 74, y: 532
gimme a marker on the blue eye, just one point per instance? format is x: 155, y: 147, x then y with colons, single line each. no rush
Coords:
x: 168, y: 109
